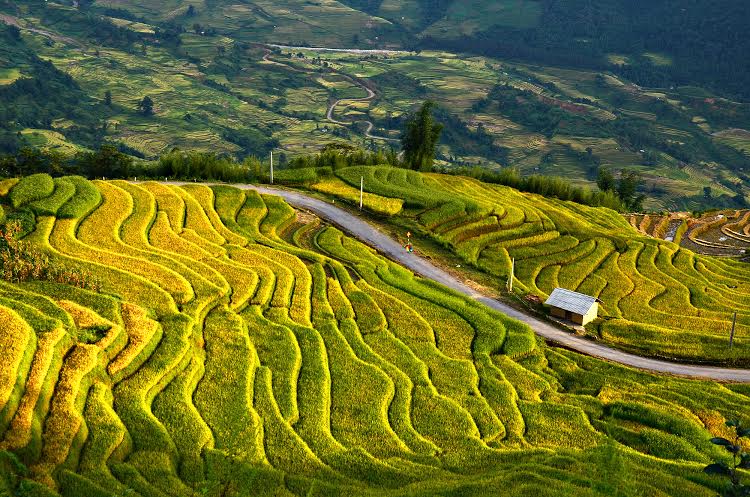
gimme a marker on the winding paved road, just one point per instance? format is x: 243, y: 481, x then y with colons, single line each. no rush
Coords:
x: 386, y: 245
x: 332, y: 108
x: 369, y: 97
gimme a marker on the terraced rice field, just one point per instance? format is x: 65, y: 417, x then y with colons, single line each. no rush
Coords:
x: 657, y: 298
x: 737, y: 138
x: 239, y: 348
x: 670, y: 228
x: 721, y: 233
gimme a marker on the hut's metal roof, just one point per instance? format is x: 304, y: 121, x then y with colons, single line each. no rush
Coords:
x: 568, y: 300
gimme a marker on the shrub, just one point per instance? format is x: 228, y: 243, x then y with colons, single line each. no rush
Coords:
x: 21, y: 261
x: 86, y: 198
x: 64, y: 191
x: 548, y: 186
x: 336, y: 156
x: 184, y: 165
x: 31, y: 188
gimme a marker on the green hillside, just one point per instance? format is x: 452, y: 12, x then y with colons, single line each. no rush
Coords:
x: 217, y: 87
x: 224, y: 344
x: 664, y: 43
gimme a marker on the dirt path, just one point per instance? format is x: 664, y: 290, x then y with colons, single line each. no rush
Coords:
x: 332, y: 108
x: 14, y: 21
x: 392, y: 249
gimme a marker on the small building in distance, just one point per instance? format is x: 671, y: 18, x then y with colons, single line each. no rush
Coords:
x: 573, y: 306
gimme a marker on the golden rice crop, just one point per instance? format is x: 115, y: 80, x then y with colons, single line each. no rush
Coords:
x: 19, y: 431
x: 169, y: 202
x: 376, y: 203
x: 64, y: 419
x: 205, y: 196
x: 197, y: 220
x: 140, y: 329
x: 397, y: 385
x: 6, y: 185
x: 62, y: 238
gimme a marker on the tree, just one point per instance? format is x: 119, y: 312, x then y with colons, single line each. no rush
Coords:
x: 197, y: 28
x: 626, y: 187
x: 15, y: 32
x: 55, y: 162
x: 420, y: 138
x: 254, y: 167
x: 190, y: 11
x: 7, y: 165
x: 740, y: 460
x: 108, y: 161
x: 605, y: 180
x: 627, y: 190
x: 707, y: 191
x: 146, y: 106
x: 108, y: 98
x: 29, y: 161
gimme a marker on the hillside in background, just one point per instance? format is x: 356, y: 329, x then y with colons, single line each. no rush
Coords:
x: 655, y: 43
x: 571, y: 88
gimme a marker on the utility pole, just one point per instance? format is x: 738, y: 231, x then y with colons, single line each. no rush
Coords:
x: 731, y: 336
x: 361, y: 192
x: 512, y: 275
x: 272, y: 167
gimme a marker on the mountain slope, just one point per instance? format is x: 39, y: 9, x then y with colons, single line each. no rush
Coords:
x: 216, y: 88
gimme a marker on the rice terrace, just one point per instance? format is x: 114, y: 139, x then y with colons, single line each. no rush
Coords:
x: 374, y: 248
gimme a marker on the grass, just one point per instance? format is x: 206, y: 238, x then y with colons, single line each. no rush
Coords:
x: 307, y: 364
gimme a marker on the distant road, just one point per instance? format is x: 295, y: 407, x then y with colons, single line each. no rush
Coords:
x: 341, y: 50
x: 370, y: 125
x: 14, y: 21
x: 386, y: 245
x: 332, y: 108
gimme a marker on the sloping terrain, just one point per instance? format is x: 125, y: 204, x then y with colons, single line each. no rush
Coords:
x: 216, y: 86
x: 658, y: 298
x: 238, y: 347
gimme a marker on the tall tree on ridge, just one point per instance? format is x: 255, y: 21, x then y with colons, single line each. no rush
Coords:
x: 420, y: 138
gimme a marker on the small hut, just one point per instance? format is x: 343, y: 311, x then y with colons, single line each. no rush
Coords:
x: 573, y: 306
